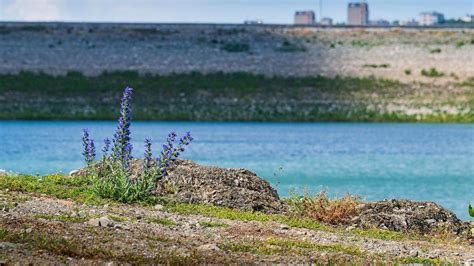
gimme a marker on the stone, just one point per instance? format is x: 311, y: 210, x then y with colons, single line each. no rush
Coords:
x: 158, y: 207
x: 208, y: 247
x: 73, y: 172
x: 232, y: 188
x: 413, y: 253
x: 101, y: 222
x: 6, y: 245
x: 406, y: 215
x: 350, y: 228
x: 284, y: 227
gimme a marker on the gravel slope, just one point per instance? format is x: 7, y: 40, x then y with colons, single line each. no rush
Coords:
x: 48, y: 230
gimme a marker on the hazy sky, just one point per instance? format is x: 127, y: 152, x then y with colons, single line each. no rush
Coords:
x: 230, y: 11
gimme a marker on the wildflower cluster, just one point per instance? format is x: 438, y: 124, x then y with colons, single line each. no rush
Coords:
x: 89, y: 147
x: 112, y: 176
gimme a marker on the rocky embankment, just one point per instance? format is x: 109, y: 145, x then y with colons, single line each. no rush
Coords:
x: 246, y: 223
x: 400, y: 54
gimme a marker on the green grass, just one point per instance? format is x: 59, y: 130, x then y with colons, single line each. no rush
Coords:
x: 63, y: 217
x: 77, y: 189
x: 212, y: 224
x: 118, y: 218
x: 423, y: 261
x: 161, y: 221
x: 287, y: 246
x: 382, y: 234
x: 232, y: 214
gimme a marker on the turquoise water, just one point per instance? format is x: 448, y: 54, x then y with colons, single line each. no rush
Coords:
x: 378, y: 161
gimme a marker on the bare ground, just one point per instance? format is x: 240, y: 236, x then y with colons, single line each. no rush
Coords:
x: 43, y: 230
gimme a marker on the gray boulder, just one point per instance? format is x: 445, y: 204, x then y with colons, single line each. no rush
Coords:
x: 406, y: 215
x: 234, y: 188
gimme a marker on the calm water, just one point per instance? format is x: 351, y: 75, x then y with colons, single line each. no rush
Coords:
x: 415, y: 161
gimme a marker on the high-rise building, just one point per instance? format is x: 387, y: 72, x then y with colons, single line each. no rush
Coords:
x: 358, y: 14
x: 307, y: 17
x: 431, y: 18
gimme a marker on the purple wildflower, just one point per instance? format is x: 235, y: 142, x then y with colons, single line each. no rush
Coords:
x: 170, y: 153
x: 89, y: 147
x: 148, y: 154
x: 106, y: 148
x: 122, y: 149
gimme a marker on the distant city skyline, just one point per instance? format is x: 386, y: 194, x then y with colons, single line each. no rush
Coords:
x: 217, y: 11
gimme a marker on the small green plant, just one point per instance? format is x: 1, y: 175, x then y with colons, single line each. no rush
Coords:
x: 407, y: 72
x: 287, y: 46
x: 435, y: 51
x: 460, y: 44
x: 236, y: 47
x: 162, y: 221
x: 376, y: 66
x: 432, y: 73
x: 471, y: 210
x: 359, y: 43
x: 212, y: 224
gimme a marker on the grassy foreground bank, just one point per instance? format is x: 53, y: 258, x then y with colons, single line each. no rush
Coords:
x: 49, y: 219
x: 232, y: 97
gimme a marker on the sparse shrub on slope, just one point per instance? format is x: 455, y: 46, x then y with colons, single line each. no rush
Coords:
x: 112, y: 175
x: 324, y: 209
x: 432, y: 73
x: 236, y: 47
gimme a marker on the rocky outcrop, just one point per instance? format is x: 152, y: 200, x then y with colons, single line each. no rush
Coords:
x: 233, y: 188
x: 406, y: 215
x: 188, y: 182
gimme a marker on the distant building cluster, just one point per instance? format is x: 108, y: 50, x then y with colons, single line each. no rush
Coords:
x: 358, y: 15
x: 431, y: 18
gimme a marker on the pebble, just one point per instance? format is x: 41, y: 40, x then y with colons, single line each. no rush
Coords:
x: 6, y: 245
x: 284, y: 227
x: 413, y: 253
x: 101, y: 222
x: 208, y: 247
x: 73, y: 172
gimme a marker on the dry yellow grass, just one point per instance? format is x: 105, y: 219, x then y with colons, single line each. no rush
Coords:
x: 321, y: 208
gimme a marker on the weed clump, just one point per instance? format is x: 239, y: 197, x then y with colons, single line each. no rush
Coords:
x: 287, y: 46
x: 322, y: 208
x: 112, y: 176
x: 236, y: 47
x: 432, y: 73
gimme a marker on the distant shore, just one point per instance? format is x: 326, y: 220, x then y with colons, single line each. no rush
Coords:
x: 232, y: 97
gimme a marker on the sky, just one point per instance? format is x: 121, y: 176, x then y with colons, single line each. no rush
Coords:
x: 216, y: 11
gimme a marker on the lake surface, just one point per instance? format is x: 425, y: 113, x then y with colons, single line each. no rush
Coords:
x: 378, y: 161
